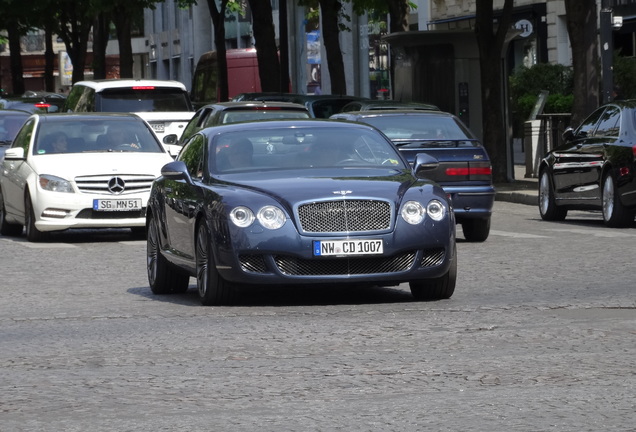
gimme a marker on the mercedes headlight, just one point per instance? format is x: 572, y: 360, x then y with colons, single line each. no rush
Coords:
x: 55, y: 184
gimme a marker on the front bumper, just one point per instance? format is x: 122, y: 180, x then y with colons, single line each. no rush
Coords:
x: 60, y: 211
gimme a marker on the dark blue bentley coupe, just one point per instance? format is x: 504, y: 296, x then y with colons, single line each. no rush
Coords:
x: 334, y: 203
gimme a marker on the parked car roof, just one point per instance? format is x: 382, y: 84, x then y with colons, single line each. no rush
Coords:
x: 119, y: 83
x: 373, y: 104
x: 319, y: 106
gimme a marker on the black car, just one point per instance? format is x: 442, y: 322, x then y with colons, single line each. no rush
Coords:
x: 10, y: 123
x: 464, y: 170
x: 233, y: 112
x: 594, y: 169
x: 319, y: 106
x: 340, y: 205
x: 386, y: 104
x: 35, y: 102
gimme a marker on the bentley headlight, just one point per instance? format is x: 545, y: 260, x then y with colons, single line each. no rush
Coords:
x: 271, y: 217
x: 436, y: 210
x: 55, y: 184
x: 413, y: 212
x: 242, y: 216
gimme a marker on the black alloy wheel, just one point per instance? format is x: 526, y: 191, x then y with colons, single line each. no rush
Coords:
x: 213, y: 289
x: 163, y: 278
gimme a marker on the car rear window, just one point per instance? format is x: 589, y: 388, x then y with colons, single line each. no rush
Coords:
x: 143, y: 99
x: 234, y: 116
x: 420, y: 128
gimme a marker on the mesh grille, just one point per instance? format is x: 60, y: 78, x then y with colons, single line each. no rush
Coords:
x: 253, y: 263
x: 432, y: 257
x: 91, y: 214
x: 99, y: 184
x: 345, y: 216
x: 343, y: 266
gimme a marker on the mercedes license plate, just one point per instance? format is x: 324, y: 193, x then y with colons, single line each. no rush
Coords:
x: 347, y: 247
x: 158, y: 127
x: 116, y: 204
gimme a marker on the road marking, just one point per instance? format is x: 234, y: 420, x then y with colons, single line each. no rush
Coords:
x: 47, y: 245
x: 515, y: 234
x: 605, y: 233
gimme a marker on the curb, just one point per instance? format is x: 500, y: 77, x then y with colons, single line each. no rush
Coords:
x: 517, y: 196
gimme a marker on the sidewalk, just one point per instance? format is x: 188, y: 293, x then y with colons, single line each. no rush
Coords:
x: 521, y: 190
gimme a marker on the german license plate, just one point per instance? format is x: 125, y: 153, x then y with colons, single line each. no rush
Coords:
x: 347, y: 247
x: 158, y: 127
x: 116, y: 204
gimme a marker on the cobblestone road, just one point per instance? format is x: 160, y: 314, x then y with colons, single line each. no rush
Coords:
x: 539, y: 336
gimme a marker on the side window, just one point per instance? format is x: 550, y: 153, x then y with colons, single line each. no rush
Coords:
x: 73, y: 98
x: 609, y: 123
x: 210, y: 118
x: 193, y: 125
x: 192, y: 156
x: 87, y: 101
x: 587, y: 127
x: 23, y: 138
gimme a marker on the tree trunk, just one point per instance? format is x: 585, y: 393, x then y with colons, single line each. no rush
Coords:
x: 75, y: 27
x: 49, y: 60
x: 329, y: 10
x: 100, y: 42
x: 218, y: 21
x: 266, y: 50
x: 581, y: 23
x: 398, y: 12
x: 490, y: 44
x: 122, y: 17
x: 17, y: 78
x: 283, y: 46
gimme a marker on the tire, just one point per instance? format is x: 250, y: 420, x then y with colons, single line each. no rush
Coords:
x: 213, y: 289
x: 615, y: 215
x: 476, y: 230
x: 32, y: 233
x: 547, y: 204
x: 163, y: 278
x: 7, y: 228
x: 438, y: 288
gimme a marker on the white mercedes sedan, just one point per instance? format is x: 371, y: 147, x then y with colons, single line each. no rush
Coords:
x: 78, y: 171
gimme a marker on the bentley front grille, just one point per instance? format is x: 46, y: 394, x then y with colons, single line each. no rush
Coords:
x: 114, y: 184
x: 293, y: 266
x: 345, y: 216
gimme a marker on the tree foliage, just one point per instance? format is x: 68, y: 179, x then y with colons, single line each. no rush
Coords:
x: 526, y: 83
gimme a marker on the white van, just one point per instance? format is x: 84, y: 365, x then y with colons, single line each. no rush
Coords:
x: 164, y: 105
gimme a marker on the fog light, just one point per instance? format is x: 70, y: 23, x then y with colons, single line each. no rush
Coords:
x: 55, y: 213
